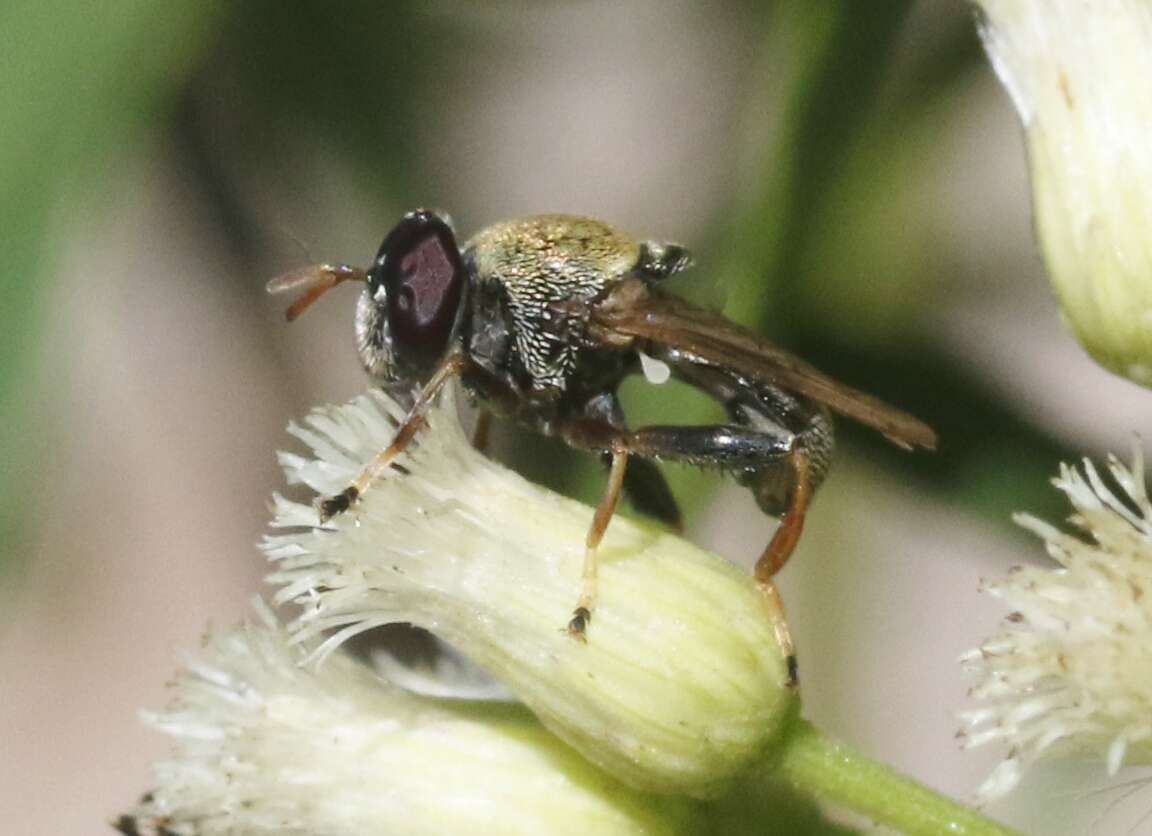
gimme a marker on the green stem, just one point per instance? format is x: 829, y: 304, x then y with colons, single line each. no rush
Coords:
x: 752, y: 241
x: 830, y: 771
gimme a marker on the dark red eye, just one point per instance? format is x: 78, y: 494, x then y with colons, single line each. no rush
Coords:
x: 422, y: 274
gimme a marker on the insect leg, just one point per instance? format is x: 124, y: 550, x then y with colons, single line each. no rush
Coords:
x: 752, y: 451
x: 722, y: 445
x: 482, y: 431
x: 604, y: 512
x: 792, y: 523
x: 644, y: 482
x: 413, y: 423
x: 785, y: 489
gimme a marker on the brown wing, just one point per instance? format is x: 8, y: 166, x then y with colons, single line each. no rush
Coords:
x: 634, y: 310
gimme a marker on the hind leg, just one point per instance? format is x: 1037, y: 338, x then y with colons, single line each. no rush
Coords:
x: 756, y: 450
x: 779, y: 549
x: 787, y: 535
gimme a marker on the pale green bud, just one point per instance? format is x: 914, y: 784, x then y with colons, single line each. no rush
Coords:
x: 1078, y: 74
x: 264, y: 745
x: 681, y: 683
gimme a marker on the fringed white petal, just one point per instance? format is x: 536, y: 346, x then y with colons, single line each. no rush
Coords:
x: 1071, y: 669
x: 265, y: 745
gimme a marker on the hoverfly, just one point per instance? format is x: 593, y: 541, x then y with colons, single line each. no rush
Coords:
x: 541, y: 319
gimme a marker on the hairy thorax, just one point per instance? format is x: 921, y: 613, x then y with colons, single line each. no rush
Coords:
x: 533, y: 268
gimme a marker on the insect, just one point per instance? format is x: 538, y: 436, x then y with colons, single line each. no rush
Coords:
x: 542, y: 318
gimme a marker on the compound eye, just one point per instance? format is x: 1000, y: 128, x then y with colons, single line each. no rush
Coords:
x: 422, y: 274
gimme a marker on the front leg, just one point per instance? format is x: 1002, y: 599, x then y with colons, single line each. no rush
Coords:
x: 413, y: 423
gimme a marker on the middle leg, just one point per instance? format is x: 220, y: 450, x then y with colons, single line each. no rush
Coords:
x: 644, y: 483
x: 604, y: 513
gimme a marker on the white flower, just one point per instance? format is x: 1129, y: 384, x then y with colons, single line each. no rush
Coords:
x: 1071, y: 669
x: 680, y: 685
x: 264, y: 745
x: 1078, y: 72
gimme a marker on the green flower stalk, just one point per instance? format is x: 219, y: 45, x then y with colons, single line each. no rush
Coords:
x: 1078, y: 74
x: 680, y: 685
x: 266, y: 745
x: 1070, y: 671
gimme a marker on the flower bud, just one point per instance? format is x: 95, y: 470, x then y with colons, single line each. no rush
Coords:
x: 680, y: 684
x: 266, y: 746
x: 1078, y: 74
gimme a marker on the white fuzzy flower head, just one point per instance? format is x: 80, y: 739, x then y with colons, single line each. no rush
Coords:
x: 680, y: 685
x: 1078, y: 72
x: 266, y: 745
x: 1071, y: 669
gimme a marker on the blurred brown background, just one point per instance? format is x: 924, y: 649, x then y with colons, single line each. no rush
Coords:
x: 850, y: 176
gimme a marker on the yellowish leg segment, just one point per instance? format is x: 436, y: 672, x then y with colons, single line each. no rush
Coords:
x: 413, y: 423
x: 603, y: 516
x: 776, y: 555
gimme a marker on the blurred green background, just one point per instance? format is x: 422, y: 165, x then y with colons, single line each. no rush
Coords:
x: 849, y: 176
